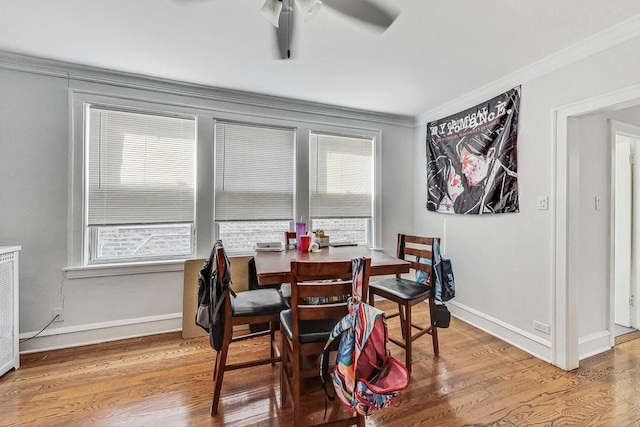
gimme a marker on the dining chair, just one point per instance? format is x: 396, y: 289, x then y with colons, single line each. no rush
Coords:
x: 306, y: 326
x: 406, y: 292
x: 288, y: 236
x: 245, y: 308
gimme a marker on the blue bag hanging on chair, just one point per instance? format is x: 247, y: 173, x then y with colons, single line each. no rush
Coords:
x: 445, y: 285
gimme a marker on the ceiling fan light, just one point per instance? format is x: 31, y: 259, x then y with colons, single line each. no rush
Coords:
x: 271, y: 11
x: 309, y: 8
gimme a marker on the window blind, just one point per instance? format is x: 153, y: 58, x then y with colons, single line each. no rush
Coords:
x: 340, y: 176
x: 141, y: 168
x: 254, y: 173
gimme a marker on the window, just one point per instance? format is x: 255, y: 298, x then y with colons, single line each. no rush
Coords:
x: 254, y: 184
x: 155, y: 182
x: 341, y: 177
x: 140, y: 189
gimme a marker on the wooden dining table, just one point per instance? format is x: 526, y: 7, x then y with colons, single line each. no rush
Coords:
x: 275, y: 267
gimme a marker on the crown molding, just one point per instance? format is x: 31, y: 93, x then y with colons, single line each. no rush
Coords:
x: 599, y: 42
x: 66, y: 70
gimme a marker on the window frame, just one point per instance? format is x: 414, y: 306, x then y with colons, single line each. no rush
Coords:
x: 369, y: 221
x: 91, y: 231
x: 257, y: 125
x: 355, y: 132
x: 80, y: 237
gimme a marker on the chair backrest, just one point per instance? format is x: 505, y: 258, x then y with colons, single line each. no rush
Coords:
x: 220, y: 256
x: 419, y: 252
x: 288, y: 236
x: 323, y: 280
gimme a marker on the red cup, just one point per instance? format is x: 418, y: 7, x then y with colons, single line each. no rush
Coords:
x: 305, y: 242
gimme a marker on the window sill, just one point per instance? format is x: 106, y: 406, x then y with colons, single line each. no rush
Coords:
x: 105, y: 270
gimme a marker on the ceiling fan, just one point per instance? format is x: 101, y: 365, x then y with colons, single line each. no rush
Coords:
x: 282, y: 14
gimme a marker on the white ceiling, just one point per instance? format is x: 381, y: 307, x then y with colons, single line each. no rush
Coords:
x: 434, y: 52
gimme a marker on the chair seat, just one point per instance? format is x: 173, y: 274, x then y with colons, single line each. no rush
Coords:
x: 309, y: 330
x: 401, y: 288
x: 257, y: 302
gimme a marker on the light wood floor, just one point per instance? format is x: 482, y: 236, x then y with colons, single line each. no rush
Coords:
x: 163, y: 380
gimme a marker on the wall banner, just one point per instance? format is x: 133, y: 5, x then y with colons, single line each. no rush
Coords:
x: 471, y: 158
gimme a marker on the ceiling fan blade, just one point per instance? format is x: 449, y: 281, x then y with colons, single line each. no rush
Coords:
x: 284, y: 31
x: 364, y: 11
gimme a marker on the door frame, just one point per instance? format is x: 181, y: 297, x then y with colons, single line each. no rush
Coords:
x: 565, y: 335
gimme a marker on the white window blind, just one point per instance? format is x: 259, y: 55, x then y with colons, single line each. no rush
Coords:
x: 141, y: 168
x: 254, y: 173
x: 340, y: 176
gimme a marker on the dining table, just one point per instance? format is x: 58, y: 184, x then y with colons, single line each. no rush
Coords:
x: 274, y: 267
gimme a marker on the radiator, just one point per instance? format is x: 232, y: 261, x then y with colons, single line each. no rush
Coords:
x: 9, y: 346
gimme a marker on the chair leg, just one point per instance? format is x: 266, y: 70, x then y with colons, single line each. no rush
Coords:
x: 272, y: 336
x: 403, y: 322
x: 284, y: 361
x: 221, y: 360
x: 221, y: 363
x: 296, y: 386
x: 408, y: 341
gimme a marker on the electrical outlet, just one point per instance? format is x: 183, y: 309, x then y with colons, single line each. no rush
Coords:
x: 542, y: 327
x: 58, y: 312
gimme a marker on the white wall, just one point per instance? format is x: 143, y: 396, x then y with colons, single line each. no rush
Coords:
x: 35, y: 191
x: 506, y: 264
x: 595, y: 173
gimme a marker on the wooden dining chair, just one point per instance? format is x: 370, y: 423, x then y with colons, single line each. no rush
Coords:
x: 306, y: 326
x: 245, y: 308
x: 407, y: 293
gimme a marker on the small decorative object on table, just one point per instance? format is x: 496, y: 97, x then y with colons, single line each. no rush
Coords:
x: 321, y: 239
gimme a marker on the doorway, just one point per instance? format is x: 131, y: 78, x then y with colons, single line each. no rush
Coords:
x: 626, y: 218
x: 571, y: 232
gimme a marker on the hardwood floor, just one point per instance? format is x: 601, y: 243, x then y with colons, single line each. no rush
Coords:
x: 163, y: 380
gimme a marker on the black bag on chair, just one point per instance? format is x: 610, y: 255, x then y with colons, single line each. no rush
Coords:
x: 441, y: 317
x: 212, y: 291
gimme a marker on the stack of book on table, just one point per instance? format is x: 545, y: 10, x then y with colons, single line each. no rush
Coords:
x: 269, y: 247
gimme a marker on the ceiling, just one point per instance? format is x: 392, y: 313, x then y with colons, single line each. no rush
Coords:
x: 434, y: 52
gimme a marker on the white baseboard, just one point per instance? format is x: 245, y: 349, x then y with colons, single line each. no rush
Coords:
x: 525, y: 341
x: 94, y: 333
x: 593, y: 344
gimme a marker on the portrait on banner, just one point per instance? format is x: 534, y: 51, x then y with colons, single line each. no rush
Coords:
x: 472, y: 158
